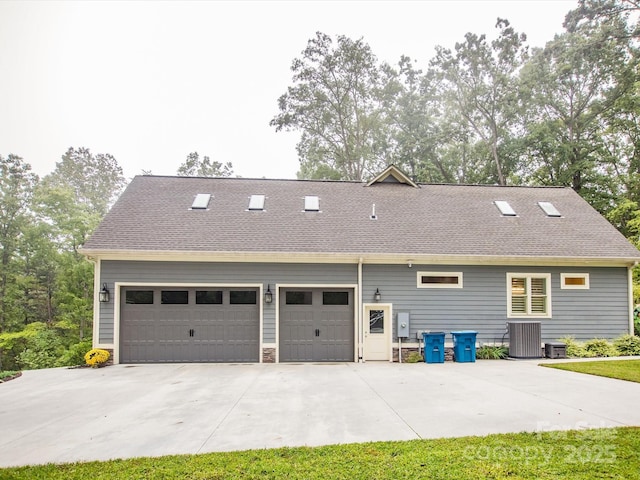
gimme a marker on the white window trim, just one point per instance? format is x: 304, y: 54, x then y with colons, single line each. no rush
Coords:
x: 529, y: 276
x: 438, y: 274
x: 564, y: 276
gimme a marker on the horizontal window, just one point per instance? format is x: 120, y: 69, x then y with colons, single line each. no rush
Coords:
x: 335, y: 298
x: 139, y: 297
x: 242, y: 297
x: 208, y: 297
x: 528, y: 295
x: 575, y: 281
x: 439, y: 279
x: 174, y: 297
x: 299, y: 298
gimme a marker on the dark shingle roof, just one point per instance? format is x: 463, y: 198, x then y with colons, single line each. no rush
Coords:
x: 153, y: 215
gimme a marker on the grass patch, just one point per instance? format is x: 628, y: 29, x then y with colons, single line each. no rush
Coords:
x: 585, y: 454
x: 620, y: 369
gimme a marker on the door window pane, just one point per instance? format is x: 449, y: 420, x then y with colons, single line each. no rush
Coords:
x: 298, y: 298
x: 174, y: 297
x: 208, y: 297
x: 335, y: 298
x: 242, y: 297
x: 376, y: 321
x: 139, y: 297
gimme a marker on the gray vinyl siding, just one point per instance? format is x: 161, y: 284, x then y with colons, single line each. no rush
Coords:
x: 220, y: 273
x: 481, y: 305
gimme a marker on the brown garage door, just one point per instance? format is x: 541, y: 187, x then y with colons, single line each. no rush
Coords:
x: 316, y: 325
x: 189, y: 325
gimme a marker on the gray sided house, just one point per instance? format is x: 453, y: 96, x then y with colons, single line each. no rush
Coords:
x: 255, y: 270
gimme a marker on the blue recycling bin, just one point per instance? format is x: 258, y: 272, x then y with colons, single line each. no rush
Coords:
x: 464, y: 346
x: 433, y: 347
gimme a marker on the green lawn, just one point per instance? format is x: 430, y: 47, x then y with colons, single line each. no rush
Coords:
x: 586, y: 454
x: 621, y: 369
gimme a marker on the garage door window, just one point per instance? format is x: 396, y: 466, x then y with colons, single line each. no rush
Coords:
x: 174, y: 297
x: 208, y: 297
x: 242, y: 297
x: 139, y: 297
x: 299, y: 298
x: 335, y: 298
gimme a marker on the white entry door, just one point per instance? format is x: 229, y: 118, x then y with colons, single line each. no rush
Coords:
x: 377, y: 332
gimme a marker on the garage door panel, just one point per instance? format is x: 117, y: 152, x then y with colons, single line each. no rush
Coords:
x: 310, y: 330
x: 193, y: 332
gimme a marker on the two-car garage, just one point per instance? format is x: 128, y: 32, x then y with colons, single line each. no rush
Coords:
x: 222, y: 324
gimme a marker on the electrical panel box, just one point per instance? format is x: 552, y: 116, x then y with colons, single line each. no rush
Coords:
x: 403, y: 324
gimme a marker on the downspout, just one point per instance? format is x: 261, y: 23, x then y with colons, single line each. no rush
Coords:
x: 360, y: 315
x: 630, y: 293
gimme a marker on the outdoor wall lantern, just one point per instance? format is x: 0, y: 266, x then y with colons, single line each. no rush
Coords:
x: 104, y: 293
x: 268, y: 296
x: 377, y: 295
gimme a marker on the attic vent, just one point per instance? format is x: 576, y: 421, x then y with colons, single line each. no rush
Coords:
x: 549, y: 209
x: 256, y: 202
x: 201, y: 202
x: 311, y: 203
x: 505, y: 208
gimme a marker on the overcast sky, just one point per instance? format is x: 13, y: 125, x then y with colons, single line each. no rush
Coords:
x: 149, y: 82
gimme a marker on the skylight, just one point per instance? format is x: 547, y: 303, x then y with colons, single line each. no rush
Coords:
x: 256, y: 202
x: 201, y: 202
x: 505, y: 208
x: 549, y: 209
x: 311, y: 203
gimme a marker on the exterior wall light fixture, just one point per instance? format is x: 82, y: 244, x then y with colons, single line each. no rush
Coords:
x: 104, y: 294
x: 268, y: 296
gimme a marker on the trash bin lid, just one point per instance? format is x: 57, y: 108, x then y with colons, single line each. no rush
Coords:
x: 464, y: 332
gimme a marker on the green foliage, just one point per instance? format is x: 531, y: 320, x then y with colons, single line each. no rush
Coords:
x: 574, y: 348
x: 7, y: 374
x: 42, y: 350
x: 74, y: 355
x: 627, y: 345
x: 414, y: 357
x: 599, y: 347
x: 492, y: 352
x: 194, y: 167
x: 576, y: 454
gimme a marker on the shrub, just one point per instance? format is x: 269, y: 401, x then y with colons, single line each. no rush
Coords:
x: 414, y: 357
x: 628, y: 345
x: 492, y: 352
x: 96, y: 357
x: 574, y: 348
x: 74, y: 355
x: 636, y: 326
x: 43, y: 349
x: 599, y: 347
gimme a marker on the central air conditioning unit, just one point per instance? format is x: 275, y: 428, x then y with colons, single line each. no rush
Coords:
x: 525, y: 339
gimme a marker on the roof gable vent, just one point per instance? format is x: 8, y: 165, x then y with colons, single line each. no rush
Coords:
x: 505, y: 208
x: 549, y: 209
x: 201, y: 202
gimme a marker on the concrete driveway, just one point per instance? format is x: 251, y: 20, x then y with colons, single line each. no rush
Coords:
x: 66, y: 415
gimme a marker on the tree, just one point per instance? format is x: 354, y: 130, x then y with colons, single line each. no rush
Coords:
x: 575, y: 85
x: 412, y: 113
x: 194, y: 167
x: 16, y: 187
x: 95, y: 180
x: 334, y: 104
x: 478, y: 90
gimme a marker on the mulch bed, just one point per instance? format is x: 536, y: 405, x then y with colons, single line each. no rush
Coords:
x: 6, y: 379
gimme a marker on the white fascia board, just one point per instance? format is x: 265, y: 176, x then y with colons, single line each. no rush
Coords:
x: 379, y: 259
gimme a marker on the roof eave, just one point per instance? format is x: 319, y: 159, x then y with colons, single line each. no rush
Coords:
x: 368, y: 258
